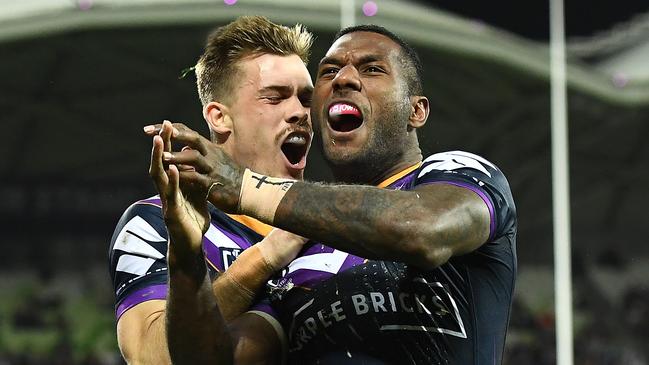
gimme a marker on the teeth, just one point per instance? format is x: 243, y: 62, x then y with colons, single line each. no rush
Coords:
x: 297, y: 139
x: 342, y: 108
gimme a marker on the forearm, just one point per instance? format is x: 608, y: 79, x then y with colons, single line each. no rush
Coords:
x: 362, y: 220
x: 235, y: 289
x: 196, y: 330
x: 409, y: 226
x: 142, y: 331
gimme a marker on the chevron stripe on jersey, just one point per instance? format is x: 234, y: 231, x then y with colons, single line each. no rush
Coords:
x: 135, y: 240
x: 137, y: 258
x: 454, y: 160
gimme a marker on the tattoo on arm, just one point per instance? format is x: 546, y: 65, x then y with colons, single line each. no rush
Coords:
x: 435, y: 220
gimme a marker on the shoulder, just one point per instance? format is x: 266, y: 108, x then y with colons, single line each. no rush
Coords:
x: 462, y: 167
x: 140, y: 231
x: 458, y: 161
x: 476, y: 173
x: 143, y: 216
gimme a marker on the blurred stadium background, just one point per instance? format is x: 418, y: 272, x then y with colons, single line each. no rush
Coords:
x: 79, y: 79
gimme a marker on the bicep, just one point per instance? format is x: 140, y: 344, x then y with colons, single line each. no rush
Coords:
x: 258, y: 339
x: 459, y: 215
x: 141, y: 334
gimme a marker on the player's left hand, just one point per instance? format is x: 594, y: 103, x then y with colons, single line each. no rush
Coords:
x: 207, y: 167
x: 184, y: 210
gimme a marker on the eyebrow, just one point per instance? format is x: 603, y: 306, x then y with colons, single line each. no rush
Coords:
x: 283, y: 89
x: 286, y: 89
x: 361, y: 60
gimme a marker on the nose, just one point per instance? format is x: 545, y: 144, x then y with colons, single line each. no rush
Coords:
x: 299, y: 113
x: 347, y: 78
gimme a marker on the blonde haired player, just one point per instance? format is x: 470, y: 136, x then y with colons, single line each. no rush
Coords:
x: 180, y: 296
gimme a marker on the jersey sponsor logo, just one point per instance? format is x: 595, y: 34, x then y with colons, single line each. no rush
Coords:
x: 440, y: 304
x: 428, y: 307
x: 455, y: 160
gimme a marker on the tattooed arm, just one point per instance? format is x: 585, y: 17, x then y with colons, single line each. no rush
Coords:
x: 423, y: 227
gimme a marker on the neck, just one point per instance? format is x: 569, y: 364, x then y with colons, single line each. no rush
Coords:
x: 373, y: 172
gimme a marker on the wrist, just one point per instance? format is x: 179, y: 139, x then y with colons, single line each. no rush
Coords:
x: 260, y: 195
x: 189, y: 263
x: 249, y: 271
x: 268, y: 254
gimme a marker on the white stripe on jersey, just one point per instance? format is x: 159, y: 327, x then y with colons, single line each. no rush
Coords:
x: 448, y: 161
x: 134, y: 264
x: 129, y: 242
x: 327, y: 262
x: 219, y: 239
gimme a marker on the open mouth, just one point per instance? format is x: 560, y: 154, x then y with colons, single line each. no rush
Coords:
x: 295, y: 146
x: 344, y: 117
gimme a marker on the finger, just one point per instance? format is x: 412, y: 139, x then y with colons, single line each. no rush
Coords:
x: 188, y: 157
x: 181, y: 133
x: 174, y: 188
x: 152, y: 129
x: 166, y: 133
x: 196, y: 182
x: 182, y: 167
x: 156, y: 168
x: 194, y: 179
x: 190, y: 137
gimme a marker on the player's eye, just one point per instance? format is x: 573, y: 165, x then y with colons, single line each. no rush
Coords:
x: 272, y: 99
x: 328, y: 71
x: 373, y: 69
x: 306, y: 102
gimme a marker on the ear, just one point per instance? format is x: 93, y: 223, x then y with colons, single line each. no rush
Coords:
x: 419, y: 110
x: 218, y: 119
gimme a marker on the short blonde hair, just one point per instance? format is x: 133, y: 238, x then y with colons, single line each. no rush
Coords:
x: 217, y: 69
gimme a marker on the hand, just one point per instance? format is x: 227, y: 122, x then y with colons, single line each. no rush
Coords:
x: 214, y: 173
x: 280, y: 248
x: 185, y: 210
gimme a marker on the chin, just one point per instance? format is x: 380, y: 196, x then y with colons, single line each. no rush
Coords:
x: 337, y: 156
x: 290, y: 174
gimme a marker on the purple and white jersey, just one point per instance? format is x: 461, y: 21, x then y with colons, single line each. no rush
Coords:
x: 338, y: 308
x: 138, y: 251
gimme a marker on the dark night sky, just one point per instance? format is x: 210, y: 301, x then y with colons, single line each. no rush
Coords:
x: 529, y: 18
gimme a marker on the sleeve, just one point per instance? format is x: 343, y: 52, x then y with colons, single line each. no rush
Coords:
x: 137, y: 256
x: 477, y: 174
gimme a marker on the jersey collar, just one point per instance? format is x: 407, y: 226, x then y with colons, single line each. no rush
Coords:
x: 390, y: 180
x: 252, y: 223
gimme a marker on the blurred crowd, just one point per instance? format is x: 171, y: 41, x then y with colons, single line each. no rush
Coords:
x: 51, y: 319
x: 611, y: 313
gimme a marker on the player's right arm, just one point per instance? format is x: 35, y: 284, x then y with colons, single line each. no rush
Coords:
x: 190, y: 326
x: 142, y: 291
x: 142, y: 337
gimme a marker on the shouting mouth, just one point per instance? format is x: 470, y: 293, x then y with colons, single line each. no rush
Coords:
x: 295, y: 148
x: 344, y: 117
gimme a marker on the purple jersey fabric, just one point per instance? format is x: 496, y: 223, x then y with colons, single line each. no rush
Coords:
x: 137, y: 257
